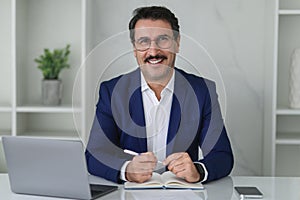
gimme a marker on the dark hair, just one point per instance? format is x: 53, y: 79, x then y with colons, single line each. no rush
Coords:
x: 154, y: 13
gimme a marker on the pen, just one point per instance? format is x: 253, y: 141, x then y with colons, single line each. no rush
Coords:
x: 133, y: 153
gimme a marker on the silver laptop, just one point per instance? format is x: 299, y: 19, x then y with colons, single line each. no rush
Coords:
x: 49, y: 167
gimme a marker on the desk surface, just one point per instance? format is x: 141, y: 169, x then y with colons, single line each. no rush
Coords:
x: 275, y: 188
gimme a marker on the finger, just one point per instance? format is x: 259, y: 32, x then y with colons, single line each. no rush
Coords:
x: 182, y: 174
x: 139, y: 178
x: 189, y: 176
x: 137, y: 167
x: 138, y: 160
x: 143, y: 166
x: 145, y: 177
x: 176, y: 166
x: 171, y: 158
x: 181, y: 160
x: 174, y: 163
x: 147, y: 157
x: 143, y: 161
x: 147, y: 167
x: 140, y: 170
x: 151, y: 165
x: 147, y: 174
x: 143, y: 173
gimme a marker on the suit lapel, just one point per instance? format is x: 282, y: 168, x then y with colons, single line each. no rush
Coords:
x: 138, y: 116
x: 173, y: 124
x: 176, y: 109
x: 136, y: 111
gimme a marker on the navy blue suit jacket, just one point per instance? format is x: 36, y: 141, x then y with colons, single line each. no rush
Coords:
x: 195, y: 121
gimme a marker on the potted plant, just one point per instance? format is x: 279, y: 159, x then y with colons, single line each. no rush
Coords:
x: 51, y: 64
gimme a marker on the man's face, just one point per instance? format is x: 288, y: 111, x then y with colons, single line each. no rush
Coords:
x: 155, y: 49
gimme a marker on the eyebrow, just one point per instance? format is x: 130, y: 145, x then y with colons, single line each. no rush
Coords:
x: 143, y: 37
x: 146, y: 37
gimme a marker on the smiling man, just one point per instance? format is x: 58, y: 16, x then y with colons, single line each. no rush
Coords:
x: 170, y: 118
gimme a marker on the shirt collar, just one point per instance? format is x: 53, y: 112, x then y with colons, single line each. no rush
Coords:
x: 169, y: 86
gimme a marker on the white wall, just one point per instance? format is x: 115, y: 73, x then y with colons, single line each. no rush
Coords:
x: 5, y: 37
x: 233, y: 32
x: 5, y: 71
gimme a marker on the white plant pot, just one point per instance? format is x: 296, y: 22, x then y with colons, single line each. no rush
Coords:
x: 294, y: 96
x: 51, y: 92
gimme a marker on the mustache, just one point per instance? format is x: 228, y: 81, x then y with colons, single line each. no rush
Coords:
x: 155, y: 57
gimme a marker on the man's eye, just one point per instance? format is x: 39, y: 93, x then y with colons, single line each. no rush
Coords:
x: 144, y: 41
x: 163, y: 38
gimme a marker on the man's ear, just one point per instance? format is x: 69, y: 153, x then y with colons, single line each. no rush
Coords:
x: 177, y: 44
x: 134, y: 51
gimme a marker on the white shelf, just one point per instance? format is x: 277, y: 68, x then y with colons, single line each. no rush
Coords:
x: 58, y: 137
x: 289, y: 12
x: 288, y: 139
x: 47, y: 109
x: 287, y: 111
x: 67, y: 135
x: 5, y: 109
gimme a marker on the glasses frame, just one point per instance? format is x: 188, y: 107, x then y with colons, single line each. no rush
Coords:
x: 156, y: 42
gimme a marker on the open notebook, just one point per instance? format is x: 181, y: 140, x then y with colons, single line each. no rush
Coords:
x: 167, y: 180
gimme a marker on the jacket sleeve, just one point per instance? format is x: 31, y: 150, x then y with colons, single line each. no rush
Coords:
x: 104, y: 155
x: 214, y: 141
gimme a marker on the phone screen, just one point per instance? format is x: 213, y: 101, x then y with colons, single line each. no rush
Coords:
x: 248, y: 192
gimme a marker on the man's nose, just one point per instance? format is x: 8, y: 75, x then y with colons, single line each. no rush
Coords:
x: 153, y: 47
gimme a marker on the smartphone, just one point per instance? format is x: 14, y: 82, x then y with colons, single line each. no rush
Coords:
x: 248, y: 192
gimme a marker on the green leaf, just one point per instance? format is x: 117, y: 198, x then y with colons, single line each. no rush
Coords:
x: 51, y: 63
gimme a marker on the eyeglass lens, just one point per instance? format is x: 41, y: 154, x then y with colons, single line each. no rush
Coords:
x: 162, y: 41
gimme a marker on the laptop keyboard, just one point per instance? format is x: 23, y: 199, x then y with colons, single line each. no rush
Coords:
x: 100, y: 190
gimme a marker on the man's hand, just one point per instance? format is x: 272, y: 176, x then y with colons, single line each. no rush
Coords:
x: 182, y: 166
x: 141, y: 167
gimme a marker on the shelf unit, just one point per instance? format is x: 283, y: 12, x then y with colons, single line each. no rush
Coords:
x: 33, y: 26
x: 5, y: 69
x: 283, y: 158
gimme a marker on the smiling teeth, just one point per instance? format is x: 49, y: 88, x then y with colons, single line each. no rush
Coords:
x: 155, y: 61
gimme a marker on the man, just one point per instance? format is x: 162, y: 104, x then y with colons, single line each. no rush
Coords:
x: 166, y: 116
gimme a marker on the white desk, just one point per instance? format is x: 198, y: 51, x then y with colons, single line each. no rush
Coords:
x: 278, y: 188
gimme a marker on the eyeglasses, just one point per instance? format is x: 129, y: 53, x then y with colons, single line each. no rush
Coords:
x: 162, y: 42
